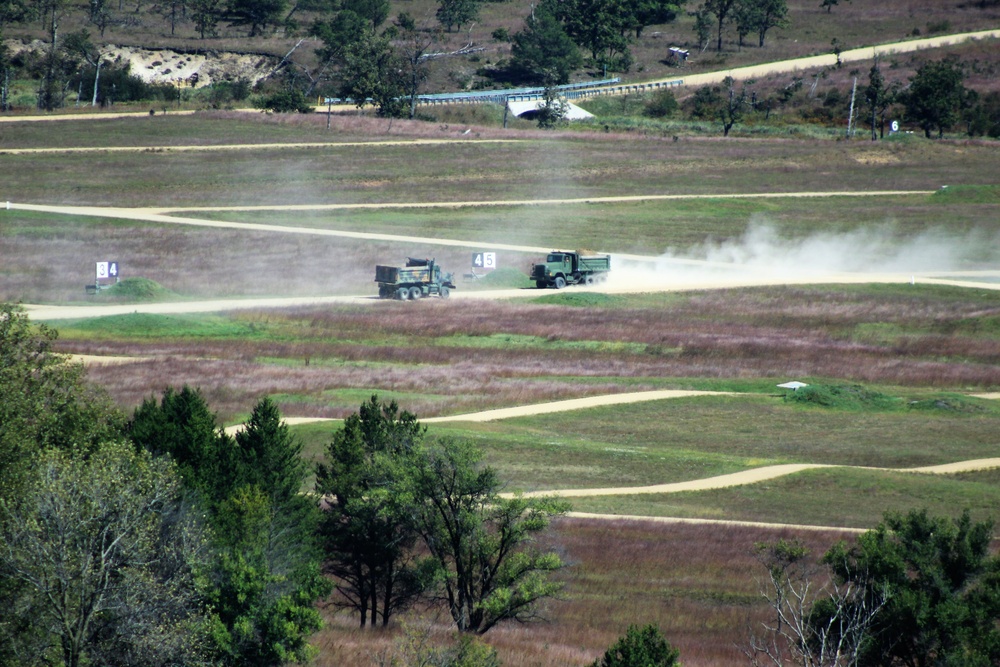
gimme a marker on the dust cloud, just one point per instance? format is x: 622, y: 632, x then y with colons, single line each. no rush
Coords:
x: 761, y: 256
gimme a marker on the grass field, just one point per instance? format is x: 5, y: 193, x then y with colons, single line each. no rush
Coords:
x: 923, y: 349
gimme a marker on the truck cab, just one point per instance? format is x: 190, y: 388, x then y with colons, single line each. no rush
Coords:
x: 563, y: 268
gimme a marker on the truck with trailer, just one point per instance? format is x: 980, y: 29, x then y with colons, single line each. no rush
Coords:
x: 563, y: 268
x: 419, y: 278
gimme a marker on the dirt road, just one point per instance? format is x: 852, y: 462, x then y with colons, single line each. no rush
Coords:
x: 866, y: 53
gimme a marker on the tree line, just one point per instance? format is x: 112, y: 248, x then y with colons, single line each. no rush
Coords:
x: 160, y: 539
x: 934, y: 99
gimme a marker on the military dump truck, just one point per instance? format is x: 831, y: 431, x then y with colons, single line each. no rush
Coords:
x: 419, y: 278
x: 570, y: 268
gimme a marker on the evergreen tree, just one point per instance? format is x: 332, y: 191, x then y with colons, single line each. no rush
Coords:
x: 938, y: 584
x: 543, y: 53
x: 640, y: 647
x: 265, y: 573
x: 368, y: 527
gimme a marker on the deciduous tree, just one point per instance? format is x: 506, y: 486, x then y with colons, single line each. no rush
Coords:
x: 106, y: 557
x: 723, y: 103
x: 456, y: 13
x: 722, y: 11
x: 46, y: 402
x: 645, y: 13
x: 759, y: 17
x: 481, y: 542
x: 935, y: 96
x: 373, y: 73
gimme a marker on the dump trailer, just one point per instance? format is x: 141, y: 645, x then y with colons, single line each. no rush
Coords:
x: 570, y: 268
x: 419, y: 278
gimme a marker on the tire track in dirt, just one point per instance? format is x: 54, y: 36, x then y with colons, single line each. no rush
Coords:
x: 246, y: 147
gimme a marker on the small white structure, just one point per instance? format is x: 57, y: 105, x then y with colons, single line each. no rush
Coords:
x: 531, y: 107
x: 793, y: 385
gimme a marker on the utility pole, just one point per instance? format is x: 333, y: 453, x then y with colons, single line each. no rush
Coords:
x: 850, y: 118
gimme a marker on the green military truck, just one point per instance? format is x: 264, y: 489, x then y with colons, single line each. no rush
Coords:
x: 419, y: 278
x: 570, y: 268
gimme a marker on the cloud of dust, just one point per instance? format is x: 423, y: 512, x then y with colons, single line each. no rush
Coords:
x: 762, y: 256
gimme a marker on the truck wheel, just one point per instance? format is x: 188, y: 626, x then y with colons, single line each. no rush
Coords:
x: 415, y: 293
x: 444, y: 292
x: 560, y: 282
x: 402, y: 294
x: 541, y: 284
x: 588, y: 281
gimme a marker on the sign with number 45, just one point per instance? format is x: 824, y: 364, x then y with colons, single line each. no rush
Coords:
x: 484, y: 260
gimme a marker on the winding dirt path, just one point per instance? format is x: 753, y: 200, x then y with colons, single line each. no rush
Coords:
x: 742, y: 478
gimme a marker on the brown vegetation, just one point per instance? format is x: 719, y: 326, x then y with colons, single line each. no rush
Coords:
x: 697, y: 583
x: 408, y: 348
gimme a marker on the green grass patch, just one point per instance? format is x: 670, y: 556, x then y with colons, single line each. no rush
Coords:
x: 524, y: 342
x: 843, y: 397
x: 579, y: 299
x: 967, y: 194
x: 950, y: 404
x: 824, y: 497
x: 536, y: 459
x: 749, y: 430
x: 148, y: 325
x: 137, y: 290
x: 500, y: 279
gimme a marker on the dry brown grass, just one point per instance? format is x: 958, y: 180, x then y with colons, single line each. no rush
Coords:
x: 398, y: 347
x: 696, y: 583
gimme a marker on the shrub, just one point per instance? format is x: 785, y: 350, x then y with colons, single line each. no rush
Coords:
x: 137, y: 289
x: 663, y: 104
x: 285, y: 101
x: 645, y: 647
x: 844, y: 397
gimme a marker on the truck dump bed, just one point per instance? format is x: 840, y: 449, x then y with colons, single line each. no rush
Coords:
x: 396, y: 275
x: 595, y: 263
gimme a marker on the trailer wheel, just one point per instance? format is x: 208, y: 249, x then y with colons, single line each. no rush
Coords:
x: 560, y: 282
x: 403, y: 294
x: 415, y: 293
x: 444, y: 292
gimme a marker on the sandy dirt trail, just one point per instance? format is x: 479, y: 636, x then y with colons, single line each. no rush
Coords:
x: 866, y: 53
x: 736, y: 276
x: 741, y: 478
